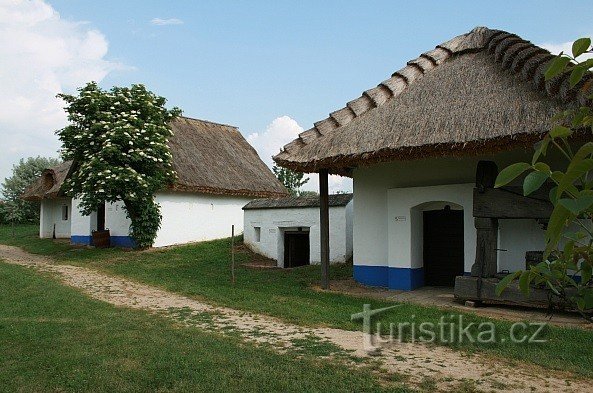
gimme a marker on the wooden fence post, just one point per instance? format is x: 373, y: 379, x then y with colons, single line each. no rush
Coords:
x: 233, y: 254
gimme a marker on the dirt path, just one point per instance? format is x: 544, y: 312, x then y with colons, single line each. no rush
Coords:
x: 428, y: 366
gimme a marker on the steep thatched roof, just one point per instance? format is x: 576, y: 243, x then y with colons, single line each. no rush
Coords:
x: 478, y: 93
x: 335, y: 200
x: 216, y: 159
x: 208, y: 157
x: 48, y: 185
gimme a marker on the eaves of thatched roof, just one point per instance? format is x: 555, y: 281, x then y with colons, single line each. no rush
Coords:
x: 208, y: 158
x: 49, y: 184
x: 292, y: 202
x: 480, y: 92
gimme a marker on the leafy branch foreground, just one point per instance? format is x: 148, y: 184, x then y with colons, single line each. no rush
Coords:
x: 567, y: 268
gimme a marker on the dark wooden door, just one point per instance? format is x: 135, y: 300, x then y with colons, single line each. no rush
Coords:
x: 443, y: 246
x: 296, y: 249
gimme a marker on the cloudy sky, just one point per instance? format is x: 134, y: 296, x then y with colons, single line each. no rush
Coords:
x: 270, y: 68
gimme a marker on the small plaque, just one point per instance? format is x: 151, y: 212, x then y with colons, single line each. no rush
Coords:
x: 400, y: 218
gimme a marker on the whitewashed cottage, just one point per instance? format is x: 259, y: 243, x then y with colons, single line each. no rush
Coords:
x: 423, y: 149
x: 218, y: 172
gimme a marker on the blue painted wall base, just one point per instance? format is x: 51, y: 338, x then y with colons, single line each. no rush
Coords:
x: 81, y: 240
x: 122, y: 241
x: 402, y: 278
x: 116, y: 241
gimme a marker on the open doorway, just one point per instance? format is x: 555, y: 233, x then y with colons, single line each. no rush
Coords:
x: 296, y: 248
x: 443, y: 253
x: 101, y: 217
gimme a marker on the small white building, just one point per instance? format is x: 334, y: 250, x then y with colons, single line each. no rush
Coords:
x: 416, y: 146
x: 287, y: 229
x: 218, y: 172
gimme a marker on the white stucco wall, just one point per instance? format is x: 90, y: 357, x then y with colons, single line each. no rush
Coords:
x: 189, y: 217
x: 51, y: 215
x: 82, y: 225
x: 274, y: 222
x: 116, y: 220
x: 405, y: 221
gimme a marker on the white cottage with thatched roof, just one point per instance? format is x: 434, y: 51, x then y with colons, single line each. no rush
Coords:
x: 218, y: 172
x: 423, y: 149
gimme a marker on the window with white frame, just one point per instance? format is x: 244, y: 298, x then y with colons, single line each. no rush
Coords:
x: 257, y: 234
x: 64, y: 212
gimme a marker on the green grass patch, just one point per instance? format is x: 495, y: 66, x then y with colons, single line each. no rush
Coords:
x: 203, y: 271
x: 53, y: 338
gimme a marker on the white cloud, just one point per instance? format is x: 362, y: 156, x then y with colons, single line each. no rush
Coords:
x: 42, y: 55
x: 166, y: 22
x: 278, y: 133
x: 565, y: 47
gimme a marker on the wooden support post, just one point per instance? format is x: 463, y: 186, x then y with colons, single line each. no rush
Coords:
x: 486, y: 264
x: 324, y: 226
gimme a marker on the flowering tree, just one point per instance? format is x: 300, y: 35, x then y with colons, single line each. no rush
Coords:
x: 118, y: 142
x: 293, y: 181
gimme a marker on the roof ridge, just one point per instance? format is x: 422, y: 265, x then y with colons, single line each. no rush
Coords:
x: 394, y: 86
x: 510, y: 51
x: 207, y: 121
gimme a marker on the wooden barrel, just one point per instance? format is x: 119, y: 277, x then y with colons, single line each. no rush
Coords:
x: 101, y: 239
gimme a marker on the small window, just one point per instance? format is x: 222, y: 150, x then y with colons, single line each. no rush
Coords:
x: 64, y: 212
x: 257, y: 234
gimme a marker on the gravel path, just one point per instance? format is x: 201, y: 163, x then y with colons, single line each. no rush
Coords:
x: 443, y: 368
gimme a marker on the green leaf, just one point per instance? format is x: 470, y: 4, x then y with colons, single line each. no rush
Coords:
x: 580, y: 46
x: 524, y: 281
x: 534, y: 181
x: 578, y: 205
x: 560, y: 132
x: 558, y: 219
x: 576, y: 75
x: 556, y: 66
x: 541, y: 148
x: 542, y: 167
x: 554, y: 195
x: 504, y: 283
x: 584, y: 151
x: 509, y: 173
x: 575, y: 170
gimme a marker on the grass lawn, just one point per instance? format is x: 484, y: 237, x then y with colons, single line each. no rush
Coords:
x: 202, y: 271
x: 53, y: 338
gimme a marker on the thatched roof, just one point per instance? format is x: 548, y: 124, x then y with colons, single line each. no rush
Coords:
x: 208, y: 157
x: 216, y: 159
x: 335, y: 200
x: 478, y: 93
x: 48, y: 185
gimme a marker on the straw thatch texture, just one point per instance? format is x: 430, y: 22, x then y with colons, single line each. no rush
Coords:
x: 208, y: 157
x: 297, y: 202
x: 481, y: 92
x: 48, y: 185
x: 216, y: 159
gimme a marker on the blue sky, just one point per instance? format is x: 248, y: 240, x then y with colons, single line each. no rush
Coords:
x: 249, y: 63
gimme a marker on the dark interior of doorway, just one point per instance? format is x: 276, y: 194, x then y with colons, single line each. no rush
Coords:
x: 296, y: 248
x: 101, y: 217
x: 443, y: 246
